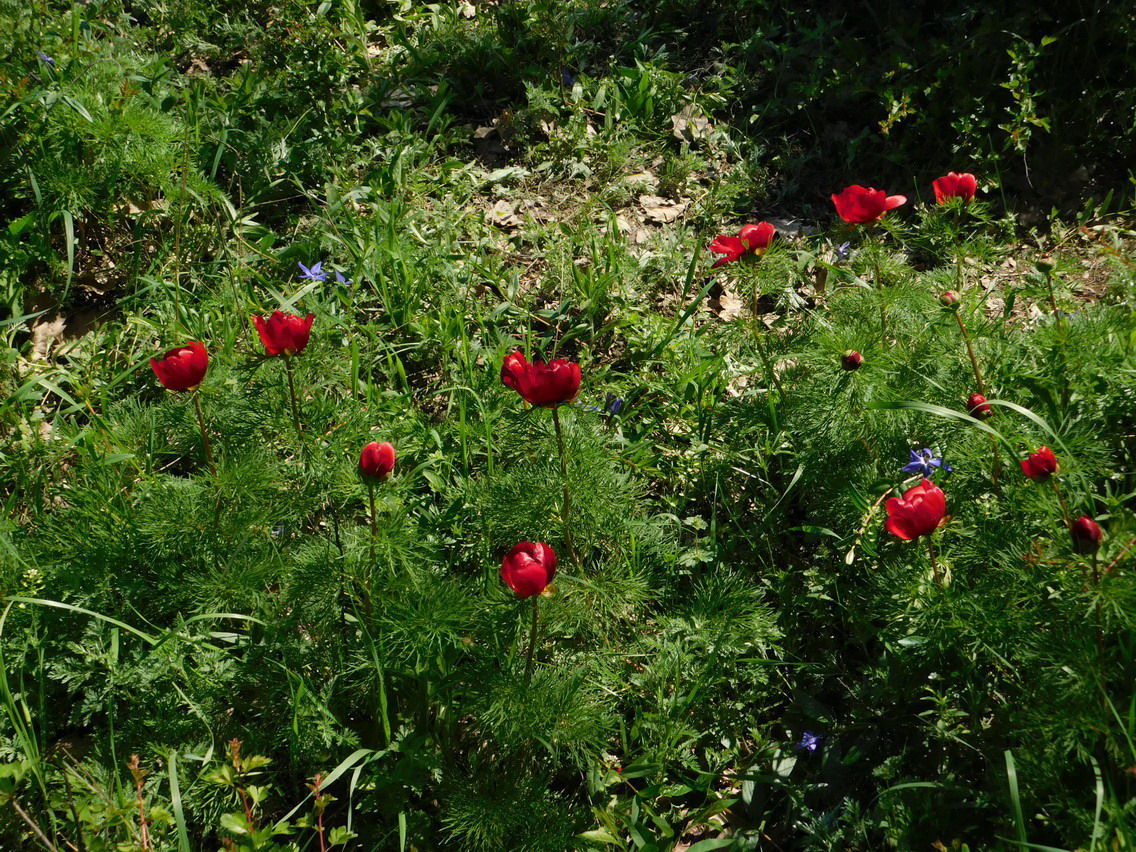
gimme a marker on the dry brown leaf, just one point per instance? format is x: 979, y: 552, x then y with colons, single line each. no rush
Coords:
x: 662, y: 210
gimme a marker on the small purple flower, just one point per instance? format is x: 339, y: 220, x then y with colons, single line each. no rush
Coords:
x: 810, y: 742
x: 844, y: 251
x: 45, y: 59
x: 316, y: 272
x: 339, y: 277
x: 926, y: 463
x: 613, y: 403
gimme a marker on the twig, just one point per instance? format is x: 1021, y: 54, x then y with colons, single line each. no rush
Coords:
x: 36, y: 830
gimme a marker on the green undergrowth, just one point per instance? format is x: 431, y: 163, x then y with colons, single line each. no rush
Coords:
x: 292, y: 673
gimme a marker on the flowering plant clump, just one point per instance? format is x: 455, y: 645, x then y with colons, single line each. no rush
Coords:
x: 675, y: 567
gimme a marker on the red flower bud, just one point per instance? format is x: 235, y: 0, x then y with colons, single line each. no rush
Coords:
x: 529, y: 568
x: 284, y: 334
x: 1087, y: 536
x: 538, y: 383
x: 920, y: 511
x: 752, y: 239
x: 978, y: 408
x: 863, y: 205
x: 377, y: 460
x: 182, y: 368
x: 949, y: 299
x: 851, y: 360
x: 955, y: 185
x: 1041, y: 465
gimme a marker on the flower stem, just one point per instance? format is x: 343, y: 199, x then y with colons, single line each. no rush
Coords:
x: 532, y: 641
x: 970, y: 351
x: 1053, y: 303
x: 1100, y: 630
x: 934, y: 564
x: 1061, y: 498
x: 292, y: 393
x: 567, y: 508
x: 877, y: 249
x: 374, y: 519
x: 204, y: 434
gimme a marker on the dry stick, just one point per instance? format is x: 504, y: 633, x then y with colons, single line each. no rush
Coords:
x: 934, y: 564
x: 36, y: 830
x: 532, y: 642
x: 567, y: 495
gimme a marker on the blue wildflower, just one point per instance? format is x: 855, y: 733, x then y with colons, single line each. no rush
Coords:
x: 613, y: 403
x: 810, y: 742
x: 844, y: 251
x: 45, y: 59
x: 316, y: 272
x: 340, y: 278
x: 926, y: 463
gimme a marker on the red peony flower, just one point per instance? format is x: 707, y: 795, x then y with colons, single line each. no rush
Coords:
x: 851, y: 360
x: 182, y: 368
x: 954, y: 185
x: 861, y: 205
x: 752, y: 239
x: 920, y: 511
x: 949, y: 299
x: 529, y: 568
x: 1041, y: 465
x: 1087, y: 536
x: 284, y: 334
x: 538, y: 383
x: 977, y: 407
x: 377, y: 460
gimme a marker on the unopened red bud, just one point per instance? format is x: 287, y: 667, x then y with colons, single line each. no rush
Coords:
x: 851, y: 360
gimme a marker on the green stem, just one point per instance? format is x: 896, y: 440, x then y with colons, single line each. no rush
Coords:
x: 1061, y: 498
x: 204, y: 434
x: 970, y: 351
x: 567, y: 507
x: 374, y: 519
x: 532, y: 641
x: 934, y: 564
x: 292, y: 394
x: 877, y: 249
x: 1100, y: 630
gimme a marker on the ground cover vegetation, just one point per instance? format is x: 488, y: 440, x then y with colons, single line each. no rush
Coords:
x: 523, y: 426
